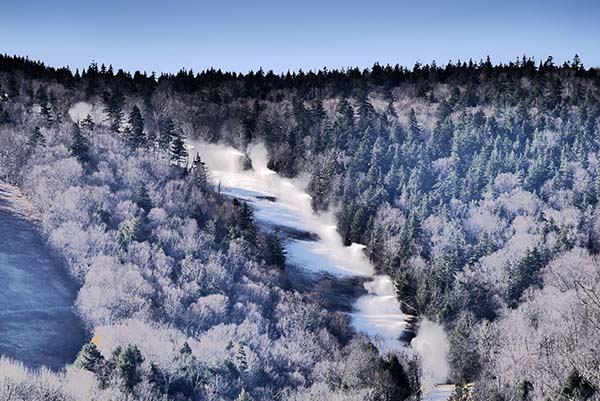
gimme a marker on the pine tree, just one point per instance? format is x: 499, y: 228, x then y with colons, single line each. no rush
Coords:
x: 345, y: 115
x: 524, y: 275
x: 36, y: 138
x: 135, y: 130
x: 242, y: 358
x: 244, y: 396
x: 390, y: 112
x: 199, y: 173
x: 274, y: 252
x: 89, y: 358
x: 577, y: 387
x: 43, y: 100
x: 127, y: 366
x: 178, y: 150
x: 113, y: 106
x: 166, y: 132
x: 88, y: 123
x: 246, y: 221
x: 142, y: 199
x: 132, y: 230
x: 241, y: 223
x: 185, y: 350
x: 414, y: 130
x: 80, y: 147
x: 318, y: 112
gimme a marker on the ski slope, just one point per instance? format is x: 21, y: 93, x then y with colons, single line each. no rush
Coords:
x: 37, y: 323
x: 280, y: 202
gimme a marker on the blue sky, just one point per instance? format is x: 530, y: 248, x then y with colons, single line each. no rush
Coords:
x: 164, y: 36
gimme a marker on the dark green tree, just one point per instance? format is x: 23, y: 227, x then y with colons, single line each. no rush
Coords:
x: 127, y: 363
x: 142, y: 198
x: 88, y: 123
x: 89, y: 358
x: 166, y: 129
x: 273, y: 250
x: 113, y: 106
x: 134, y: 132
x: 178, y: 150
x: 80, y: 147
x: 36, y: 138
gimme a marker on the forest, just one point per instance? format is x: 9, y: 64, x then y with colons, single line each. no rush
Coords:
x: 473, y: 185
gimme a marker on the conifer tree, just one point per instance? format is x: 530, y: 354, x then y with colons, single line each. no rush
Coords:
x: 113, y: 106
x: 274, y: 252
x: 88, y: 123
x: 36, y: 138
x: 89, y: 358
x: 414, y: 130
x: 127, y: 366
x: 80, y: 147
x: 135, y: 130
x: 142, y: 198
x: 166, y: 133
x: 199, y: 173
x: 178, y: 150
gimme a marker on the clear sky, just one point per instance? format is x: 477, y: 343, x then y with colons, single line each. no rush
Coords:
x: 164, y: 36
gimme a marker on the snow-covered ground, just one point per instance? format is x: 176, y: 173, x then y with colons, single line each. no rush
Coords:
x: 440, y: 393
x: 37, y: 323
x: 280, y: 202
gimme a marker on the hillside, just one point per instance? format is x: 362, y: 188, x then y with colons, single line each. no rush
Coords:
x: 474, y: 186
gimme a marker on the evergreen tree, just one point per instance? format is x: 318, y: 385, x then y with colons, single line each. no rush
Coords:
x: 577, y: 387
x: 199, y: 173
x: 89, y: 358
x: 127, y: 366
x: 166, y: 133
x: 88, y: 123
x: 241, y: 223
x: 113, y: 106
x: 185, y: 350
x: 524, y: 275
x: 244, y: 396
x: 36, y: 138
x: 135, y: 130
x: 178, y: 150
x: 414, y: 129
x: 132, y: 230
x: 80, y: 147
x: 273, y: 250
x: 4, y: 116
x: 142, y: 199
x: 43, y: 100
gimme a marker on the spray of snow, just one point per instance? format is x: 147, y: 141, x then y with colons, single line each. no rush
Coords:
x: 291, y: 208
x: 282, y: 202
x: 378, y: 314
x: 432, y: 346
x: 80, y: 110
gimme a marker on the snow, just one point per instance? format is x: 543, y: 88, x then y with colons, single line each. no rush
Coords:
x: 281, y: 202
x: 378, y: 313
x: 440, y: 393
x: 37, y: 323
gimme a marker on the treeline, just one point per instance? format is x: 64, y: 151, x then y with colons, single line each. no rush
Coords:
x: 264, y: 85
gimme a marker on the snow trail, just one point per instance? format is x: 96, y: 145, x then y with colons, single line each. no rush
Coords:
x: 38, y: 325
x: 283, y: 203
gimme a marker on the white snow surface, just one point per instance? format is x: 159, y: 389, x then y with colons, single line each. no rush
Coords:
x: 282, y: 202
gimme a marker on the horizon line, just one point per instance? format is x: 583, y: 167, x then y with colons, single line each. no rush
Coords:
x: 518, y: 59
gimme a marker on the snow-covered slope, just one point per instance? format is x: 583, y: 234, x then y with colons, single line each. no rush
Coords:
x: 37, y: 323
x: 283, y: 203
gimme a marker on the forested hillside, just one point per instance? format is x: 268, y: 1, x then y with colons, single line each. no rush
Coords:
x: 475, y: 186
